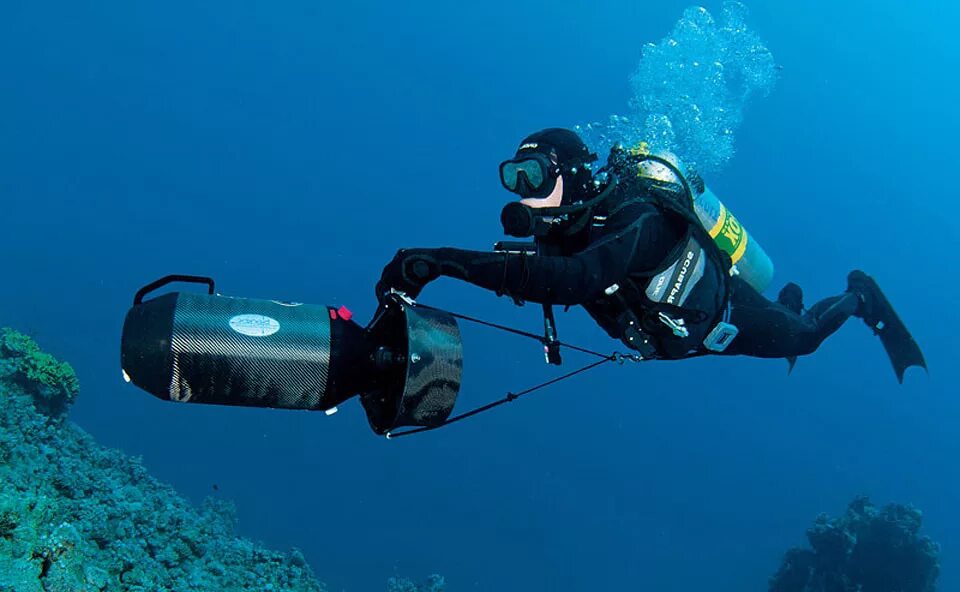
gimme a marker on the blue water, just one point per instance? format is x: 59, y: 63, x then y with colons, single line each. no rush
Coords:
x: 288, y: 149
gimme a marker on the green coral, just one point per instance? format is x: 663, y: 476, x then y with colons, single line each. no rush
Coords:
x: 9, y: 520
x: 52, y: 383
x: 78, y: 517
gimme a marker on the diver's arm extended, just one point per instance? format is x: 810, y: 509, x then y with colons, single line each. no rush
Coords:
x: 636, y: 238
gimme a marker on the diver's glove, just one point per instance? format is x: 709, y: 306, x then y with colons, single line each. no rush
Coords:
x: 408, y: 272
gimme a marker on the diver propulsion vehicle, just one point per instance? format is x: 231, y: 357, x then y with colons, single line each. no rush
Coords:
x: 208, y: 348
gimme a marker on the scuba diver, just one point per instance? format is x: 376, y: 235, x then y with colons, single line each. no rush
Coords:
x: 641, y: 244
x: 628, y: 248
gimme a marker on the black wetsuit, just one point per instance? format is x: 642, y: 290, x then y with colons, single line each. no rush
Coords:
x: 636, y: 239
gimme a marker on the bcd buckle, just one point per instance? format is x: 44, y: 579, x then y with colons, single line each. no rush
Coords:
x: 720, y: 337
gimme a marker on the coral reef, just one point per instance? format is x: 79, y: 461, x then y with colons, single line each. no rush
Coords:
x: 434, y: 583
x: 52, y: 384
x: 866, y: 550
x: 76, y: 516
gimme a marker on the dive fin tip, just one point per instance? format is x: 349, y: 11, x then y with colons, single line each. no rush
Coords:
x: 901, y: 347
x: 791, y: 363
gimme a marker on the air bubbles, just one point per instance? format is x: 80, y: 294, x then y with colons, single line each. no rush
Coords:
x: 690, y: 89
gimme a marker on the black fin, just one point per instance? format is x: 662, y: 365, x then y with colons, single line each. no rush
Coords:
x: 791, y: 362
x: 877, y: 312
x: 791, y: 296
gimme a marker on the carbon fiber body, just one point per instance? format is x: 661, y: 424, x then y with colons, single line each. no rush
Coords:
x: 434, y: 368
x: 229, y: 351
x: 431, y: 375
x: 205, y: 348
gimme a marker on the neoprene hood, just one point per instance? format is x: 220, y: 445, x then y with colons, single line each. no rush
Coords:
x: 573, y: 157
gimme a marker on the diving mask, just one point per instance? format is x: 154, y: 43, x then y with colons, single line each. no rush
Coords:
x: 531, y: 175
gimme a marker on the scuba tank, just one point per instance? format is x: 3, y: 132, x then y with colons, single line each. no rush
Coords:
x: 213, y: 349
x: 750, y: 261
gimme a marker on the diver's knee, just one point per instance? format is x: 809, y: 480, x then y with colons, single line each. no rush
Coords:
x: 808, y: 347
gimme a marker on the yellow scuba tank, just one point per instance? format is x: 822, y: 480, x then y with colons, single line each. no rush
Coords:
x: 750, y: 261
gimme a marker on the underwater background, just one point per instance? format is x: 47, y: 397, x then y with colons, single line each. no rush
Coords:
x: 288, y: 149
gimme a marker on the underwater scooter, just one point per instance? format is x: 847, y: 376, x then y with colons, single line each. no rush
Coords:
x: 405, y: 366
